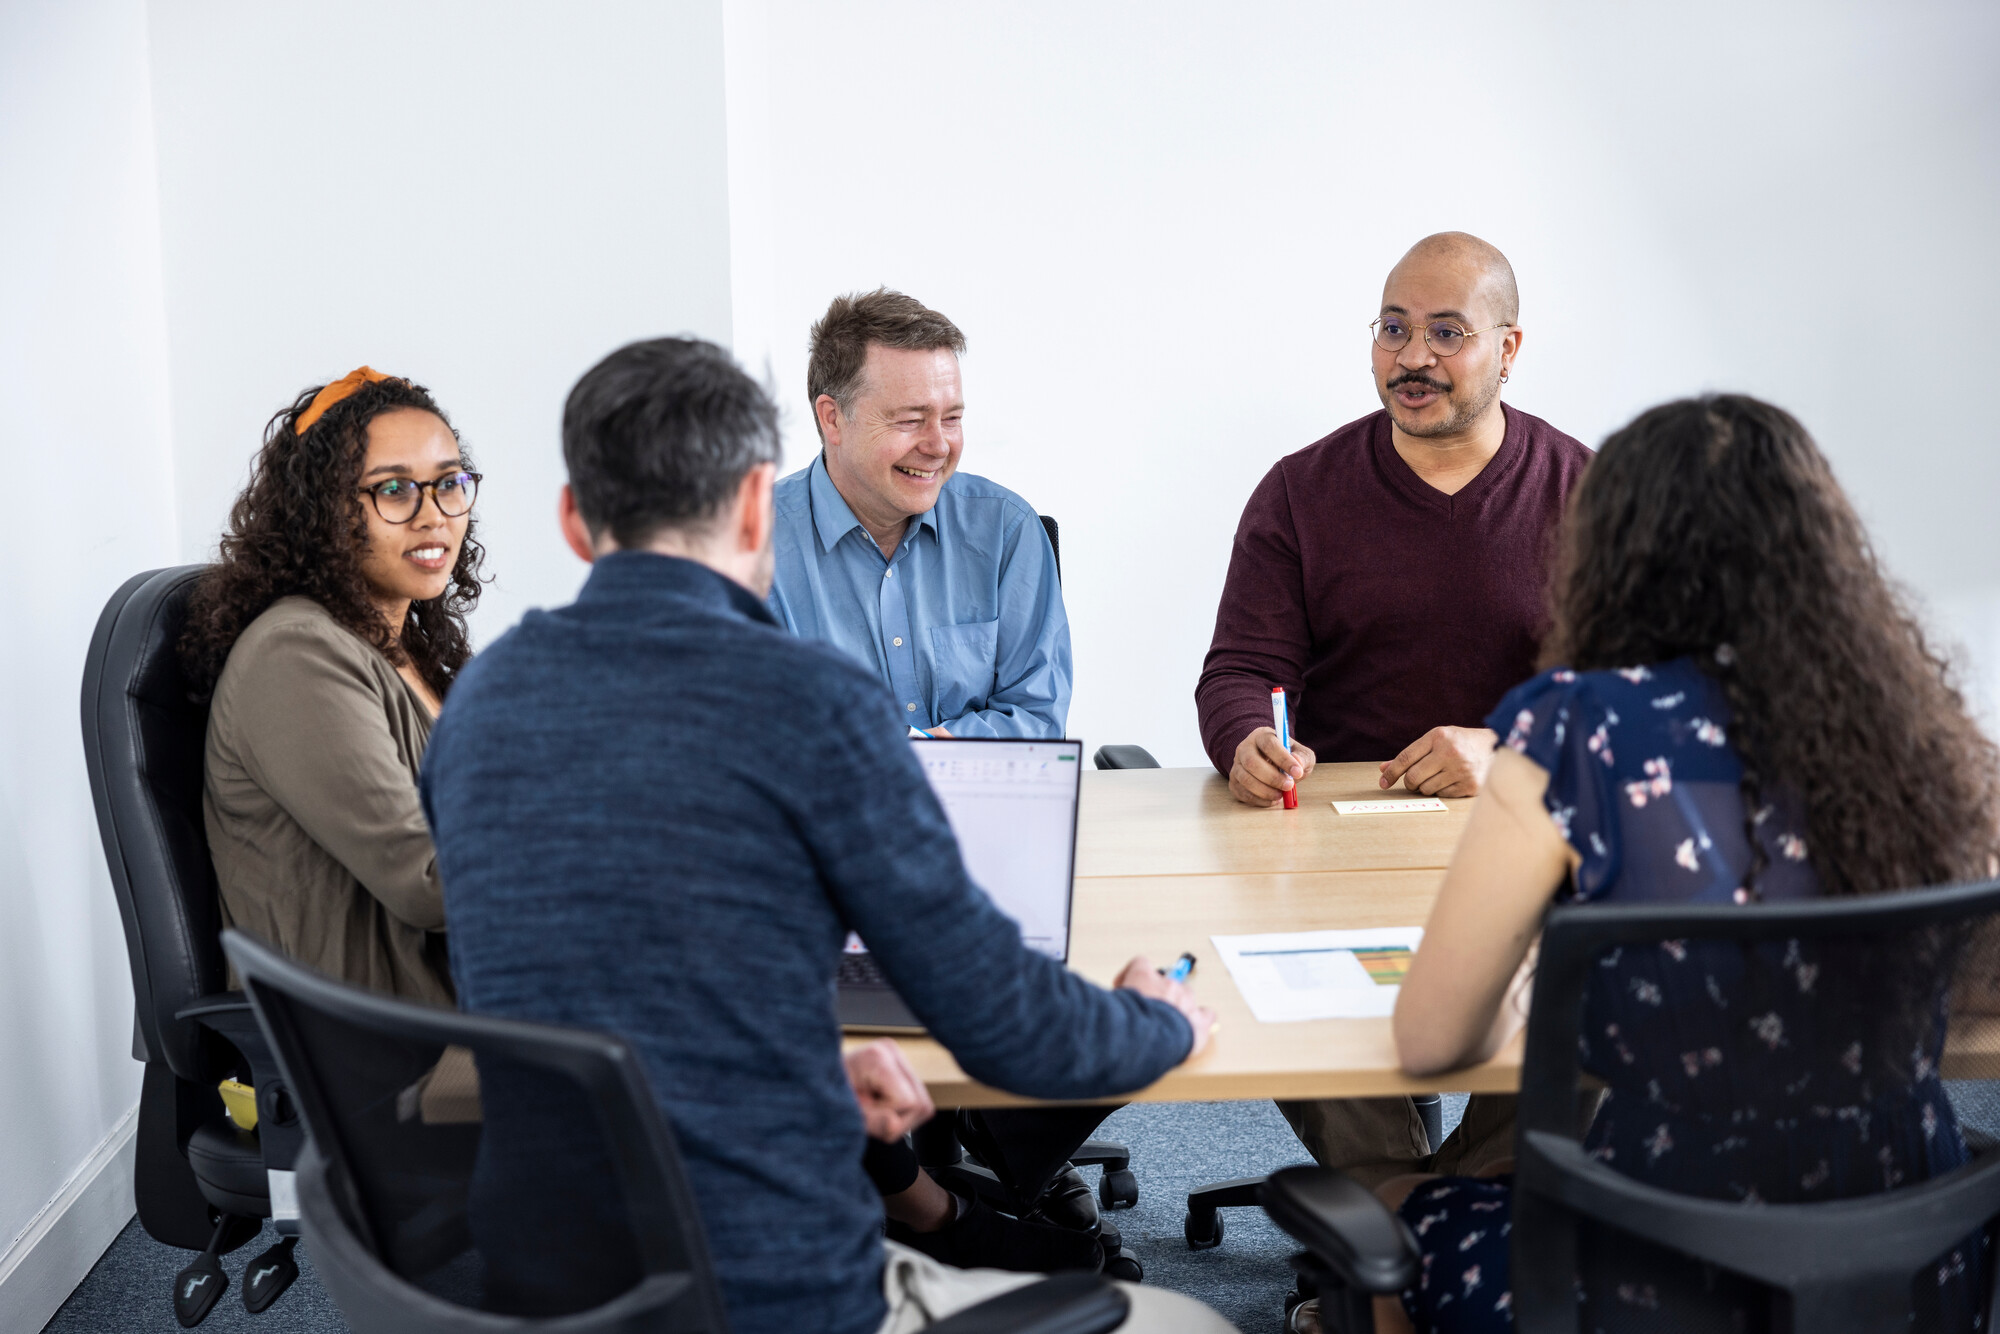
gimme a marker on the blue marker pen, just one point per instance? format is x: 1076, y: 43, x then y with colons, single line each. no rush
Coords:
x: 1281, y: 726
x: 1182, y: 967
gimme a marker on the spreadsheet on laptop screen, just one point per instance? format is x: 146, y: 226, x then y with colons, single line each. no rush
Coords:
x: 1012, y: 805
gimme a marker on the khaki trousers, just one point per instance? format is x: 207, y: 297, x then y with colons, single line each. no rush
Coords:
x: 921, y: 1292
x: 1374, y: 1139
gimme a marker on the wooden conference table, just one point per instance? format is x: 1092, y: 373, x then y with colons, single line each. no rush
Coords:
x: 1165, y: 858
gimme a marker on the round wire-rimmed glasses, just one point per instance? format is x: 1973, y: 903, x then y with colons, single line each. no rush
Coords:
x: 401, y: 499
x: 1444, y: 337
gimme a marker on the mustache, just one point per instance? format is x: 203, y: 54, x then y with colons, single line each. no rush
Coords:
x: 1424, y: 380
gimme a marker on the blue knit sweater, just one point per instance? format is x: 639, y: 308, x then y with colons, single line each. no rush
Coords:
x: 658, y: 814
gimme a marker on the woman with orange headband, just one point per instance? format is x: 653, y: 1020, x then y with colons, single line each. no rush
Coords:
x: 327, y: 635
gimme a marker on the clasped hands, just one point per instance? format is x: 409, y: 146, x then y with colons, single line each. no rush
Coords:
x: 1443, y: 762
x: 894, y: 1101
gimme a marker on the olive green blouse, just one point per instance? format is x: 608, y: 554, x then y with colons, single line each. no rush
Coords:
x: 310, y: 800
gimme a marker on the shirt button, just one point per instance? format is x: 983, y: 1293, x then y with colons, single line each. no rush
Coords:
x: 899, y: 641
x: 889, y: 573
x: 909, y: 708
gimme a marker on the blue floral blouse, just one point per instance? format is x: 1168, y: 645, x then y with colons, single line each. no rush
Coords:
x: 1740, y: 1072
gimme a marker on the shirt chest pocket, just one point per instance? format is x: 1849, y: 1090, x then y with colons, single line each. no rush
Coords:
x: 962, y: 667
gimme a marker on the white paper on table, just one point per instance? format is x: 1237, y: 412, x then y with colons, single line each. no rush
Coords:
x: 1293, y: 975
x: 1389, y: 806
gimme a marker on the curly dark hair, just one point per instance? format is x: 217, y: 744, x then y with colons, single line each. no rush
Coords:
x: 299, y: 527
x: 1713, y: 528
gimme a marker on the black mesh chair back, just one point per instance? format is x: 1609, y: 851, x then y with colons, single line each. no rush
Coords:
x: 1055, y: 541
x: 143, y: 739
x: 1794, y: 1020
x: 428, y: 1190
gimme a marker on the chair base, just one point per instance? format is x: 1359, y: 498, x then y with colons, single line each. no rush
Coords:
x: 966, y: 1176
x: 1203, y: 1225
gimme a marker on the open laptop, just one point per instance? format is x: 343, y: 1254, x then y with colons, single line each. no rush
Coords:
x: 1012, y: 805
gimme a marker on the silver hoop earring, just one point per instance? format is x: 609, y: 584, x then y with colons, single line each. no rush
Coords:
x: 1503, y: 377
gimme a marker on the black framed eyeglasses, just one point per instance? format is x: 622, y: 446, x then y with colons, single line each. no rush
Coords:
x: 400, y: 499
x: 1444, y: 337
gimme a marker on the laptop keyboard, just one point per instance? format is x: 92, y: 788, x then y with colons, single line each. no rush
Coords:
x: 860, y: 970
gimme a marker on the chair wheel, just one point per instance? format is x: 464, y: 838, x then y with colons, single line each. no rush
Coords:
x: 197, y: 1288
x: 1119, y: 1189
x: 266, y: 1277
x: 1203, y: 1235
x: 1125, y: 1267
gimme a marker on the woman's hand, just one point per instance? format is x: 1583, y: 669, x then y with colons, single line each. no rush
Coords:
x: 1508, y: 864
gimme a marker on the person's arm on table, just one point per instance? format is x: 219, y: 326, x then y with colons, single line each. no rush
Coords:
x: 1262, y: 639
x: 1444, y: 762
x: 1508, y: 864
x: 1013, y: 1018
x: 1028, y: 695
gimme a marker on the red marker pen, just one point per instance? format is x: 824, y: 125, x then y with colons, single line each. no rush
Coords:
x: 1284, y: 739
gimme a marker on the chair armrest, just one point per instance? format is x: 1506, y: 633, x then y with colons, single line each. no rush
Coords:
x: 1342, y: 1224
x: 279, y: 1130
x: 228, y: 1014
x: 1124, y: 757
x: 1064, y: 1304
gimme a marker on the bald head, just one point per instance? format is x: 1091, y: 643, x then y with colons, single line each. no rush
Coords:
x: 1492, y: 277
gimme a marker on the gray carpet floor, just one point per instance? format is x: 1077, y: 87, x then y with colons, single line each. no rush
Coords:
x: 1176, y: 1147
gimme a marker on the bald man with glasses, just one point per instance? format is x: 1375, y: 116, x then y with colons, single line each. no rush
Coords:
x: 1390, y: 579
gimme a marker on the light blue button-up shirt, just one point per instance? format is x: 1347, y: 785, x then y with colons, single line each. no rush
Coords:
x: 964, y: 623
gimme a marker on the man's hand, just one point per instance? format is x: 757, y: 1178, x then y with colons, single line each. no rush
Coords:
x: 1444, y: 762
x: 893, y: 1100
x: 939, y: 733
x: 1142, y: 977
x: 1264, y: 771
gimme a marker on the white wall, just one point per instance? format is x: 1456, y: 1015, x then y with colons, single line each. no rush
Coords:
x: 485, y: 197
x: 84, y: 447
x: 1164, y: 230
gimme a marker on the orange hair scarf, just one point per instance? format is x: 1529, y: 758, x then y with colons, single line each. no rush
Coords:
x: 345, y: 386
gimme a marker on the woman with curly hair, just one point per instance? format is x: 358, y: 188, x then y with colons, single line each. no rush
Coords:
x: 1737, y: 708
x: 327, y: 636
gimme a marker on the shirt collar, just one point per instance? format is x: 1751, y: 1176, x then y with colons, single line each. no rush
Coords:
x: 834, y: 520
x: 627, y: 576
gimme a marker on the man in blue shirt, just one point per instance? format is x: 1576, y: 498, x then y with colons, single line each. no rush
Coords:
x: 941, y: 583
x: 615, y: 857
x: 944, y: 585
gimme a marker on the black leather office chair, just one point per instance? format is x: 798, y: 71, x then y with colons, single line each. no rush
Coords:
x: 395, y: 1162
x: 1846, y: 1265
x: 201, y: 1183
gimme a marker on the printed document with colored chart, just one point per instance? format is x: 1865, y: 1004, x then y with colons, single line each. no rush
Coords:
x: 1293, y: 975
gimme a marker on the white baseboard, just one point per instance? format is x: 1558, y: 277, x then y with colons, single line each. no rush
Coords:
x: 55, y: 1251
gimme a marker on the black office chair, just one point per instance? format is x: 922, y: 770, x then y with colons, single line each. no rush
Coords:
x: 1124, y: 757
x: 201, y: 1183
x: 1055, y: 541
x: 1203, y: 1224
x: 1843, y: 1265
x: 396, y: 1168
x: 941, y: 1152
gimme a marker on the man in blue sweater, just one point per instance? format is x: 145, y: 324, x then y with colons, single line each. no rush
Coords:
x: 658, y: 814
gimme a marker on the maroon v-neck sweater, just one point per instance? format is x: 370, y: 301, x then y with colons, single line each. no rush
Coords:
x: 1384, y: 606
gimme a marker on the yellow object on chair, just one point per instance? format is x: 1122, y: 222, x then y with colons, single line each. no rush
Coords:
x: 240, y: 1101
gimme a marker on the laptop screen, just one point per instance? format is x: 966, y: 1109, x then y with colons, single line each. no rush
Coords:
x: 1013, y: 806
